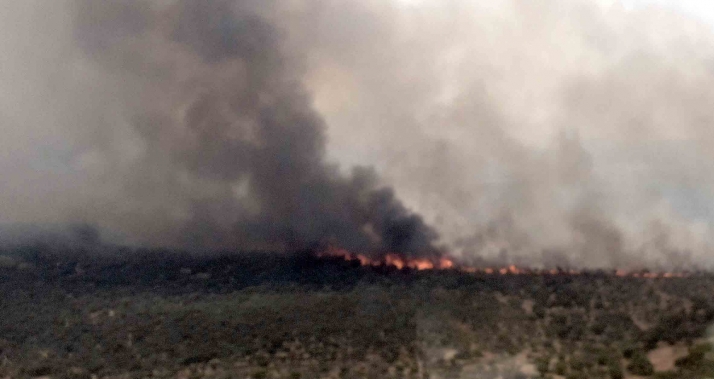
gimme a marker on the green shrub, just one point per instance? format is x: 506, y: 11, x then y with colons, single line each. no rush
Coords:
x: 561, y: 367
x: 543, y: 365
x: 628, y: 351
x: 640, y: 364
x: 615, y: 371
x: 695, y: 357
x: 577, y: 363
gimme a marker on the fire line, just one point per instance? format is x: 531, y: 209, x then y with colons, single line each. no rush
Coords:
x: 444, y: 263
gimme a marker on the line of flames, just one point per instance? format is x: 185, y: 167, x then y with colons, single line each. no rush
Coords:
x: 443, y: 263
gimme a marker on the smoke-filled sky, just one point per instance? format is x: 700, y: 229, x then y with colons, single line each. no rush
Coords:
x: 519, y: 130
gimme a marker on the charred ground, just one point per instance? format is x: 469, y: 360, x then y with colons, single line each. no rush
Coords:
x: 165, y: 314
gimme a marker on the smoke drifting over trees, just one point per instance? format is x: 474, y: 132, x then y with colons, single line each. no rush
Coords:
x: 540, y: 132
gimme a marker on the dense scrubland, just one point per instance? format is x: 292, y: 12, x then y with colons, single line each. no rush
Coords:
x: 136, y: 313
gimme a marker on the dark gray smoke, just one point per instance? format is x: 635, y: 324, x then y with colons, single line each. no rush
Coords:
x: 539, y: 132
x: 229, y: 153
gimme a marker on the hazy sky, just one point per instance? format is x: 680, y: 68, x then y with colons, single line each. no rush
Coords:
x: 701, y: 9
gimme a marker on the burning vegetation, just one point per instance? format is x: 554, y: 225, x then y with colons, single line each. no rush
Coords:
x: 402, y: 261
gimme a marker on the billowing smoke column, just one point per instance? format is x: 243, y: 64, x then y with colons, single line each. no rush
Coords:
x: 231, y: 153
x: 223, y: 109
x: 527, y: 132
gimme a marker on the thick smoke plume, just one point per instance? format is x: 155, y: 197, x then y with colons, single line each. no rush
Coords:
x: 205, y: 137
x: 537, y: 132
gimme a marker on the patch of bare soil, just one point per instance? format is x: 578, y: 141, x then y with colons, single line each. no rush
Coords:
x: 664, y: 356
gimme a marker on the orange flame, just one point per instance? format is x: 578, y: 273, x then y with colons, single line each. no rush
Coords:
x: 444, y: 263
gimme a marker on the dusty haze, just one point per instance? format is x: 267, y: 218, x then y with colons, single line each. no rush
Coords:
x: 538, y: 132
